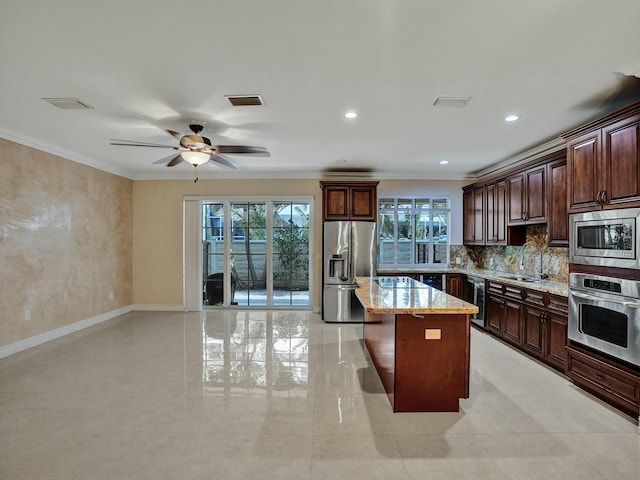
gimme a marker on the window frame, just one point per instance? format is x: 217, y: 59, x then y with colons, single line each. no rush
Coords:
x: 415, y: 213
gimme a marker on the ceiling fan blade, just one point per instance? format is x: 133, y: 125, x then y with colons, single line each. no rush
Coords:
x: 175, y: 161
x: 243, y: 150
x: 131, y: 143
x: 222, y: 160
x: 175, y: 135
x: 167, y: 159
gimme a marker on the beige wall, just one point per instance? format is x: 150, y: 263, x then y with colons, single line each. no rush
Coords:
x: 65, y: 242
x: 158, y: 230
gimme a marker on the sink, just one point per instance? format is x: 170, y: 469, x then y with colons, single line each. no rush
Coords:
x: 521, y: 279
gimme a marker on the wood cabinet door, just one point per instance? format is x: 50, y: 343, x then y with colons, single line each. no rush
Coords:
x: 621, y: 159
x: 495, y: 213
x: 558, y: 217
x: 533, y: 337
x: 535, y: 195
x: 336, y: 203
x: 583, y: 171
x: 494, y: 314
x: 455, y: 285
x: 363, y: 203
x: 500, y: 213
x: 489, y: 214
x: 478, y: 213
x: 512, y: 321
x: 516, y: 199
x: 556, y: 339
x: 468, y: 218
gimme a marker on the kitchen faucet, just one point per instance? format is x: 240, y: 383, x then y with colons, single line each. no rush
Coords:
x: 541, y: 275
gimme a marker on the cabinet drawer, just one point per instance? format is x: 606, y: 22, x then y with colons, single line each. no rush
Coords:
x: 536, y: 299
x: 494, y: 287
x: 515, y: 293
x: 547, y: 302
x: 559, y: 305
x: 605, y: 378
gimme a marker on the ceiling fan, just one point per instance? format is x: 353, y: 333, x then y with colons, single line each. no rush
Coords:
x: 197, y: 150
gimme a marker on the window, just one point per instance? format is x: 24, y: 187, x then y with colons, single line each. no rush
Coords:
x: 413, y: 231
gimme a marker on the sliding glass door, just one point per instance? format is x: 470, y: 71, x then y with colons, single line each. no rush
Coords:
x: 256, y: 253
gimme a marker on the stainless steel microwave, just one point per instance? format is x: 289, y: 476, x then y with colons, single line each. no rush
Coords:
x: 606, y: 238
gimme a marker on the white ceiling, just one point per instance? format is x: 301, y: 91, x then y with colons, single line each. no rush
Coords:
x: 146, y: 66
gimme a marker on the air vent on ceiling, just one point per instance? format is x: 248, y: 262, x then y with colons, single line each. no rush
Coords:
x: 456, y: 102
x: 245, y: 100
x: 68, y: 103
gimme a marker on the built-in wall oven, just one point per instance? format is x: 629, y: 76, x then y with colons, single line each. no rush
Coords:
x: 604, y: 314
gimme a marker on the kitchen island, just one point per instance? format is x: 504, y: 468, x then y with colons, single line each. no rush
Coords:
x: 419, y: 340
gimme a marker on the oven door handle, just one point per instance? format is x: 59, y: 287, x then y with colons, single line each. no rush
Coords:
x: 600, y: 299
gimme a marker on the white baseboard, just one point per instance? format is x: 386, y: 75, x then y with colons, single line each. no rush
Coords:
x: 150, y: 307
x: 36, y: 340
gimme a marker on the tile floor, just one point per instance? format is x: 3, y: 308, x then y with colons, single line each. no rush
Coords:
x: 278, y: 395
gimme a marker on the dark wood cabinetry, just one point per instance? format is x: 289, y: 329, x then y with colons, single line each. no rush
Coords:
x: 349, y: 201
x: 456, y: 283
x: 603, y: 163
x: 420, y: 373
x: 557, y: 217
x: 616, y: 383
x: 504, y: 311
x: 526, y: 197
x: 473, y: 206
x: 496, y: 213
x: 545, y: 327
x: 535, y: 322
x: 532, y: 194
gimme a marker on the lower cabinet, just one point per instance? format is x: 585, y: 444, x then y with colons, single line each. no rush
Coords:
x: 613, y: 382
x: 533, y: 321
x: 456, y: 285
x: 504, y: 311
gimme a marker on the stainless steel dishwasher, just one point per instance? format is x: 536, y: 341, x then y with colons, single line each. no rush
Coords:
x: 475, y: 295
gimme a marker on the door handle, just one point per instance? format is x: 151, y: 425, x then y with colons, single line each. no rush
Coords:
x: 604, y: 197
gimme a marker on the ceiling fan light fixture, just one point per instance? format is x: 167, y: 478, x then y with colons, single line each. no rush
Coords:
x: 195, y: 158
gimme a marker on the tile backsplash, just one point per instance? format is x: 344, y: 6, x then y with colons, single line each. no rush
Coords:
x: 508, y: 259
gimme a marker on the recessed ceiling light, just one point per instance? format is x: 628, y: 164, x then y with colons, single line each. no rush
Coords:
x: 444, y: 162
x: 350, y: 115
x: 511, y: 118
x: 342, y: 160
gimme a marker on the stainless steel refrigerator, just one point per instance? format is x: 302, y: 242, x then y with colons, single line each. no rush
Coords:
x: 349, y: 252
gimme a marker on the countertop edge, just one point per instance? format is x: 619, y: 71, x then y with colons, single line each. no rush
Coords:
x: 547, y: 286
x: 366, y: 287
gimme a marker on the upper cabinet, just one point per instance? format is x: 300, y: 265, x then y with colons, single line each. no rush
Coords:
x: 557, y: 216
x: 603, y: 163
x: 496, y: 213
x: 349, y: 201
x: 527, y: 197
x: 533, y: 193
x: 473, y: 211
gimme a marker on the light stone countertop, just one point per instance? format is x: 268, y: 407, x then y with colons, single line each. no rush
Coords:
x: 548, y: 286
x: 405, y: 300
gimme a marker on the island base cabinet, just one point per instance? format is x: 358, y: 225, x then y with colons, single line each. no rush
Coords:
x: 424, y: 367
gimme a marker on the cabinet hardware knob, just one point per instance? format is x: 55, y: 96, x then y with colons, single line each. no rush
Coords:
x: 604, y: 197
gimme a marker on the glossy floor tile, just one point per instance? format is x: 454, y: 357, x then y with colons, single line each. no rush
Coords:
x: 280, y: 395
